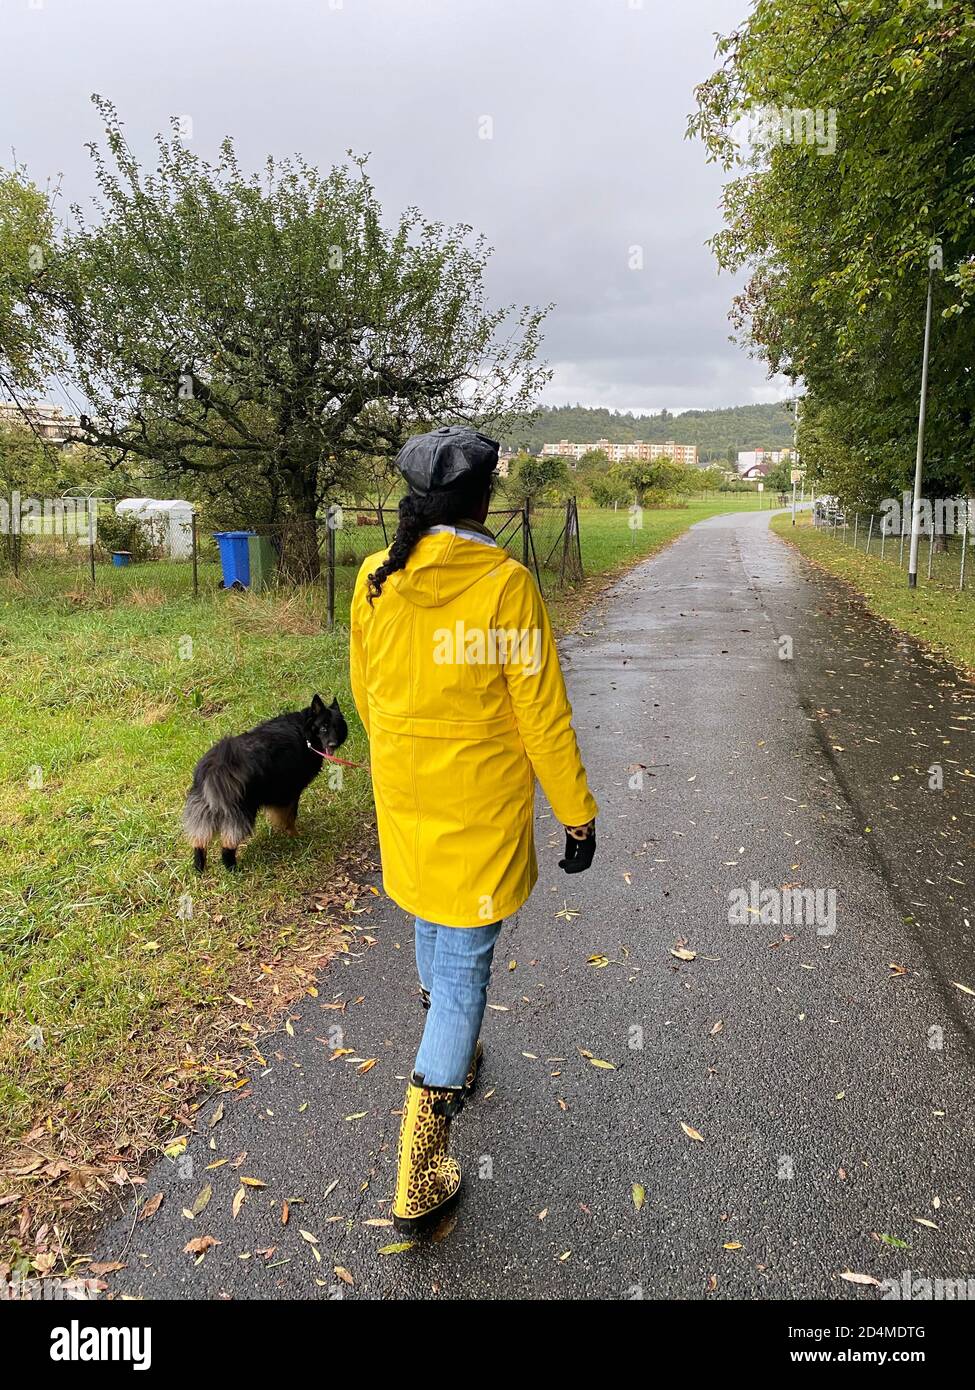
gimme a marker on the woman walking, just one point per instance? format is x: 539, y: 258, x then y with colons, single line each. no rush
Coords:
x: 457, y: 681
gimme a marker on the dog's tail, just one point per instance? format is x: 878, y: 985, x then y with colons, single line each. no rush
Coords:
x: 215, y: 804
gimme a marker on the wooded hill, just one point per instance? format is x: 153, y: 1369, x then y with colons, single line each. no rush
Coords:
x: 717, y: 433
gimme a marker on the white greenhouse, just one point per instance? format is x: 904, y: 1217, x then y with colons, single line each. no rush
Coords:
x: 168, y: 524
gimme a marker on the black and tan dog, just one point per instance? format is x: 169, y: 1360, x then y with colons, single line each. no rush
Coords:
x: 269, y: 766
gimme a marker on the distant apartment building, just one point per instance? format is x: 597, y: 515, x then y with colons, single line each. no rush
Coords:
x: 639, y: 450
x: 48, y: 421
x: 758, y: 463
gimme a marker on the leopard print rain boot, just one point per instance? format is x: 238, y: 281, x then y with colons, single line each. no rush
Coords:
x: 428, y: 1179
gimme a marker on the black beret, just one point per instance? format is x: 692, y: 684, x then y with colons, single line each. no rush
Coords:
x: 431, y: 462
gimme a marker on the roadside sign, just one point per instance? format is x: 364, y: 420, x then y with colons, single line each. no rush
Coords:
x: 761, y: 487
x: 796, y: 475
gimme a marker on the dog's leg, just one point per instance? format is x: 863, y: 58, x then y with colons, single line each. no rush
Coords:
x: 228, y: 855
x: 283, y: 818
x: 199, y: 858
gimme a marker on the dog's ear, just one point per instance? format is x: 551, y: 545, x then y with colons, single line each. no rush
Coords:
x: 317, y: 705
x: 335, y: 705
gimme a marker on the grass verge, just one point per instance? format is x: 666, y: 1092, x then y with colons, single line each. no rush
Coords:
x: 936, y: 613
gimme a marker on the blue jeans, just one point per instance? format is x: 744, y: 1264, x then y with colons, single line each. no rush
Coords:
x: 454, y: 965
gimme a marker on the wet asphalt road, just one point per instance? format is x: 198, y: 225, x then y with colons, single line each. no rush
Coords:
x: 829, y: 1074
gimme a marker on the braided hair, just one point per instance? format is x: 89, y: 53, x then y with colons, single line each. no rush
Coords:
x: 419, y: 511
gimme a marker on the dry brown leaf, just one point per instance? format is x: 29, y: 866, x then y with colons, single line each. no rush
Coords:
x: 199, y: 1245
x: 150, y: 1207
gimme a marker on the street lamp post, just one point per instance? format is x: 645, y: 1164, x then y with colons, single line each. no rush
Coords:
x: 919, y: 461
x: 795, y: 454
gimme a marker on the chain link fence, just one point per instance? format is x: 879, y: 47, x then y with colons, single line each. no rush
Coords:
x: 82, y: 547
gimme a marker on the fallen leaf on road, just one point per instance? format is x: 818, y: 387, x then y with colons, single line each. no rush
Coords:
x: 253, y: 1182
x: 396, y: 1249
x: 852, y: 1278
x: 201, y: 1199
x: 150, y: 1207
x: 682, y: 953
x: 240, y: 1197
x: 199, y: 1245
x: 692, y: 1133
x: 964, y: 988
x: 639, y: 1195
x: 344, y: 1275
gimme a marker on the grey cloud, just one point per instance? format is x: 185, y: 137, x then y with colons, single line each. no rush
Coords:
x: 588, y: 100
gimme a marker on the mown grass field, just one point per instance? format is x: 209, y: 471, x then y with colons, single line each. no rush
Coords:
x: 936, y: 611
x: 109, y: 986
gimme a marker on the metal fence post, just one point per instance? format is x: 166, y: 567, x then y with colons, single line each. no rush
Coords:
x: 193, y: 539
x: 525, y: 538
x: 856, y: 529
x: 931, y: 547
x: 964, y: 546
x: 92, y: 512
x: 870, y: 534
x: 330, y: 567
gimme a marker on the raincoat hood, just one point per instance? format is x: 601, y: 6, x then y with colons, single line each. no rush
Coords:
x: 444, y: 564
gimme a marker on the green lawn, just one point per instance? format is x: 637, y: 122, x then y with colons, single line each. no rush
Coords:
x: 105, y: 705
x: 936, y: 611
x: 109, y: 985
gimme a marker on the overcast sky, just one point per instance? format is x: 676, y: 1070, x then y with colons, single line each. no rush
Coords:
x: 588, y: 101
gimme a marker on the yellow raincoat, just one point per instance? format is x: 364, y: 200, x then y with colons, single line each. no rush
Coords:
x: 456, y: 677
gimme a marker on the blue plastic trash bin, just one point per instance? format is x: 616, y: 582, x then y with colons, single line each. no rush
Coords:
x: 234, y: 557
x: 120, y: 558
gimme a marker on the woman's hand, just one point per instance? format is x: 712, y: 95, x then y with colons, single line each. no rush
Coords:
x: 580, y: 846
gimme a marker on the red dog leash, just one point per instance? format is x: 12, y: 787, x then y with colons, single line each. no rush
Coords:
x: 333, y: 758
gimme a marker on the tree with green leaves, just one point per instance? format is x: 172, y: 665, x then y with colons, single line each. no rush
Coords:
x: 26, y: 238
x: 856, y: 181
x: 272, y: 327
x: 610, y: 488
x: 655, y: 480
x: 536, y: 478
